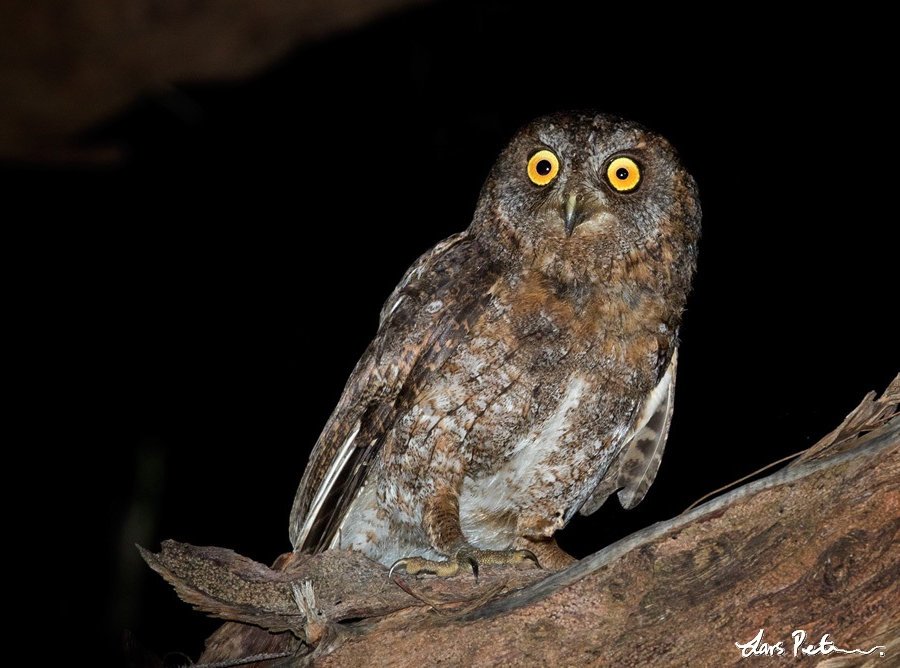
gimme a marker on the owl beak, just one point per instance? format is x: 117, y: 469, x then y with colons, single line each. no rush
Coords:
x: 572, y: 214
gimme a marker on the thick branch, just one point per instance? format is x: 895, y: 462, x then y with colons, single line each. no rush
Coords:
x: 812, y: 547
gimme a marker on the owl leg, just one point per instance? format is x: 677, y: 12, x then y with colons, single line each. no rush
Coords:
x: 551, y: 555
x: 441, y: 524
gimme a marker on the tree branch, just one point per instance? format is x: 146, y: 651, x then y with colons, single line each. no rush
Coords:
x: 812, y: 548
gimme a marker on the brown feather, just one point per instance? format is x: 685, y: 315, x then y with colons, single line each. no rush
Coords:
x: 412, y: 342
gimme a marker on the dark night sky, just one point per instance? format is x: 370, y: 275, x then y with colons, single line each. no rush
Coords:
x: 205, y: 301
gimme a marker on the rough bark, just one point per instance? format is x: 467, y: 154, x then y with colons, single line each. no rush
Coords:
x: 65, y: 67
x: 812, y: 548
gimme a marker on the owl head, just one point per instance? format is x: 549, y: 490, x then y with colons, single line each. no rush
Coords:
x: 575, y: 192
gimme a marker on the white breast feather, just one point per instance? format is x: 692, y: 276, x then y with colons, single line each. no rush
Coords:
x: 498, y: 493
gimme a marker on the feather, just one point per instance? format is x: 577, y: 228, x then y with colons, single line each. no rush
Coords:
x: 334, y: 471
x: 635, y: 468
x: 422, y: 322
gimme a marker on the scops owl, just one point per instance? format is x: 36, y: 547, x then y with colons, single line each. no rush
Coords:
x: 524, y: 369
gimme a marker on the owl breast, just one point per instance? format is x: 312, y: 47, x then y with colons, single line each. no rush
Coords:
x: 544, y: 480
x: 529, y: 411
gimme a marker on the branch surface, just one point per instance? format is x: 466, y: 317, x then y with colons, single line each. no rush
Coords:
x: 812, y: 547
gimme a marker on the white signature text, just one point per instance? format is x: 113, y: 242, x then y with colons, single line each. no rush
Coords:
x: 758, y: 647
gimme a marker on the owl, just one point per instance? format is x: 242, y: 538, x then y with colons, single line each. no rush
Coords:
x: 524, y: 369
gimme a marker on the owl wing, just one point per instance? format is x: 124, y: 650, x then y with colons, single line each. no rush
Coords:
x: 634, y: 470
x: 429, y: 312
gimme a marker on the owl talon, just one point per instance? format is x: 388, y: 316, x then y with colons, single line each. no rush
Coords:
x: 527, y: 555
x: 466, y: 559
x: 422, y: 566
x: 397, y: 564
x: 473, y: 563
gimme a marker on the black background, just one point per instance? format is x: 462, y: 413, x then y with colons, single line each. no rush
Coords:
x: 199, y: 307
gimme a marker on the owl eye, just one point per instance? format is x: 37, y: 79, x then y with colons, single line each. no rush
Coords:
x: 543, y: 167
x: 623, y: 174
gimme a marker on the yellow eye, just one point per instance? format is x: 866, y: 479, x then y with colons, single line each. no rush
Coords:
x: 543, y: 167
x: 623, y: 174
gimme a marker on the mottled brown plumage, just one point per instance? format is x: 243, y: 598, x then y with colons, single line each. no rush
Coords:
x: 523, y: 370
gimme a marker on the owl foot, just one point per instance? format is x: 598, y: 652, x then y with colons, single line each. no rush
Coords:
x: 466, y: 559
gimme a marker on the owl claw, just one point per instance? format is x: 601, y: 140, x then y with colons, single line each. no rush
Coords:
x: 420, y: 565
x: 528, y: 555
x: 466, y: 558
x: 396, y: 564
x: 472, y: 561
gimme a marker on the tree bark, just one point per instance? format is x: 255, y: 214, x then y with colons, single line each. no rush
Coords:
x: 810, y: 549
